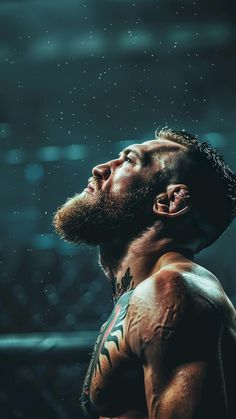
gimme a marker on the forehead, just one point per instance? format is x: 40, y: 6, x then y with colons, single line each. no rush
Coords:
x: 157, y: 147
x: 160, y: 145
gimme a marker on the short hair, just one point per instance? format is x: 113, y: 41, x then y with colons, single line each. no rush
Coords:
x: 211, y: 181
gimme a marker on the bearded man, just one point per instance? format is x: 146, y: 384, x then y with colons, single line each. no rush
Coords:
x: 168, y: 349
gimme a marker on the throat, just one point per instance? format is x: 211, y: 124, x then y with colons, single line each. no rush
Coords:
x: 119, y: 287
x: 127, y: 264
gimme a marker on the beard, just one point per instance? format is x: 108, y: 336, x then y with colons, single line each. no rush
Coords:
x: 99, y: 217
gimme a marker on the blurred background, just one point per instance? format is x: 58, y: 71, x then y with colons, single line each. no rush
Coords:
x: 79, y: 80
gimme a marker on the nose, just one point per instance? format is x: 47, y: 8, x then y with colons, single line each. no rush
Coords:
x: 102, y: 171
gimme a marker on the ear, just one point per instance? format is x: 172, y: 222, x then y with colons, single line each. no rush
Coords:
x: 174, y: 202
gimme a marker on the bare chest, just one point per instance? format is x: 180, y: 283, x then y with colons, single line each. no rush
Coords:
x: 114, y: 380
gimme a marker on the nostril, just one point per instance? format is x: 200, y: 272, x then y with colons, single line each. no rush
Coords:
x: 96, y: 172
x: 101, y: 171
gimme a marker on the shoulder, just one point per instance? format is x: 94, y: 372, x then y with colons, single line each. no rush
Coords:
x: 181, y: 288
x: 167, y: 308
x: 168, y: 289
x: 165, y: 291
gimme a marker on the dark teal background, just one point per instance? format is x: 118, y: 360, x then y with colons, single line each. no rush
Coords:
x: 78, y: 81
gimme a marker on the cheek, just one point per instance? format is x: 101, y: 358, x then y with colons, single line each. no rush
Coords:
x: 125, y: 181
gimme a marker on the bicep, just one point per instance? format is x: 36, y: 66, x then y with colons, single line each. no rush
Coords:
x: 176, y: 394
x: 176, y: 363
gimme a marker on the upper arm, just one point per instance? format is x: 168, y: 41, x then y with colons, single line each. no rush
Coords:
x: 179, y: 395
x: 174, y: 337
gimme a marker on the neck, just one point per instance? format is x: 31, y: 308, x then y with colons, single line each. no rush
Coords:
x: 127, y: 263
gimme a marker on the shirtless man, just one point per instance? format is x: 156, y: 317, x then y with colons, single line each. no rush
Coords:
x: 168, y: 349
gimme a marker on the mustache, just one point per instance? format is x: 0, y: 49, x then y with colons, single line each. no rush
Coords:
x: 95, y: 181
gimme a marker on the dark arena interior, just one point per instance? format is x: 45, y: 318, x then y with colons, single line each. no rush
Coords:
x: 79, y: 81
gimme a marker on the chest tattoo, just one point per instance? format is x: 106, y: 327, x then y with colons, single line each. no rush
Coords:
x: 119, y: 288
x: 111, y: 331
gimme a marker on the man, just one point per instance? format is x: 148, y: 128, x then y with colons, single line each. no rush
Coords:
x: 168, y: 349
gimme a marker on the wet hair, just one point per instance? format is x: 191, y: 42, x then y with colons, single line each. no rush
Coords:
x: 211, y: 182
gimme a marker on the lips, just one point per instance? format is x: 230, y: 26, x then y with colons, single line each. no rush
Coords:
x: 90, y: 187
x: 93, y: 186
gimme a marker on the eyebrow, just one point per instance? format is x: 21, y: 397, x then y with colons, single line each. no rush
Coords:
x: 144, y: 158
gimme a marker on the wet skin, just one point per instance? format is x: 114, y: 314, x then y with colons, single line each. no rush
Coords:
x: 168, y: 349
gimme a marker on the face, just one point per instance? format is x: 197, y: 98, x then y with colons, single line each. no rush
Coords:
x: 118, y: 200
